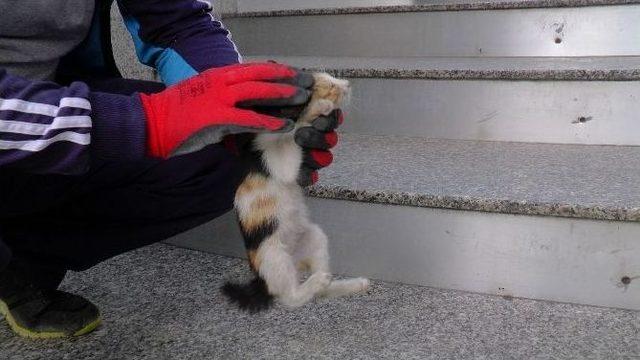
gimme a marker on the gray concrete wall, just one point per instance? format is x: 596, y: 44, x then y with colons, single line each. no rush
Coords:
x: 226, y: 6
x: 124, y: 51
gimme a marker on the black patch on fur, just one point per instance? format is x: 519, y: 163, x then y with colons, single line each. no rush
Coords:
x: 253, y: 239
x: 253, y: 296
x: 254, y: 161
x: 250, y: 157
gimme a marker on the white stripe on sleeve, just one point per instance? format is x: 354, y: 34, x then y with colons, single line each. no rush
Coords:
x: 62, y: 122
x: 28, y: 107
x: 43, y: 109
x: 75, y: 102
x: 38, y: 145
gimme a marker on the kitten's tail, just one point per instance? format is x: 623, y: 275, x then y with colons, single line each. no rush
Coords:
x: 253, y: 296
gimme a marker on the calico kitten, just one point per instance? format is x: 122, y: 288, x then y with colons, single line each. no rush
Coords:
x: 279, y: 237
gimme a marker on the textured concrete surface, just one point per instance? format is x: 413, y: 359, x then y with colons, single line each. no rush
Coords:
x: 591, y: 182
x: 124, y: 52
x: 162, y: 302
x: 623, y: 68
x: 414, y: 6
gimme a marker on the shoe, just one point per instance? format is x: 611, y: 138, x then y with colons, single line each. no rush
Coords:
x: 38, y: 312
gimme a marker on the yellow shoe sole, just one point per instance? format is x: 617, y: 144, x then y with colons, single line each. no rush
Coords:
x: 24, y: 332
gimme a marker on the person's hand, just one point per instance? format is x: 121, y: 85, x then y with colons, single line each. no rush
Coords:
x: 316, y: 140
x: 218, y: 100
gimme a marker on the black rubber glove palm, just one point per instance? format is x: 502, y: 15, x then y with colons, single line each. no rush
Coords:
x: 316, y: 141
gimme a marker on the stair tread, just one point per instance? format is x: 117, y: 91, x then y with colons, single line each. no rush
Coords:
x: 580, y: 181
x: 163, y: 302
x: 335, y: 7
x: 614, y: 68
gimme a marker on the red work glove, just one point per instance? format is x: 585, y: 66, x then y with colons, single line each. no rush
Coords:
x: 316, y: 140
x: 218, y: 99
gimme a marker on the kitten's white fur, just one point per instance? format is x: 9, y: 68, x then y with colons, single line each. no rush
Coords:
x: 297, y: 242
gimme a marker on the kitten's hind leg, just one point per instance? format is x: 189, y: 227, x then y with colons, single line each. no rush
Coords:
x: 312, y: 253
x: 345, y: 287
x: 315, y: 255
x: 278, y: 270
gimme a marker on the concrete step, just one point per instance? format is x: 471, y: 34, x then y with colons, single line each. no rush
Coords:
x: 541, y: 221
x: 163, y: 302
x: 587, y: 182
x: 494, y: 99
x: 456, y: 32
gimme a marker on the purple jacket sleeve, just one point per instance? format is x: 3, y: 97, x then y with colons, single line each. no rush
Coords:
x: 46, y: 128
x: 180, y: 38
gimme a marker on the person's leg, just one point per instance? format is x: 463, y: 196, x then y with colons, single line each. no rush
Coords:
x: 5, y: 255
x: 117, y: 208
x: 64, y: 223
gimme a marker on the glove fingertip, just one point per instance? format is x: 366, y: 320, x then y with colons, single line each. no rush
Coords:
x: 329, y: 122
x: 302, y: 136
x: 287, y: 125
x: 322, y: 123
x: 322, y: 158
x: 305, y: 79
x: 307, y: 177
x: 301, y: 97
x: 331, y: 139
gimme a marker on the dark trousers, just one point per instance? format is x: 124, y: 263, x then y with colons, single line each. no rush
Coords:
x: 73, y: 223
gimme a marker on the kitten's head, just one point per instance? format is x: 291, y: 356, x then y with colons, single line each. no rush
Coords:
x: 328, y: 94
x: 329, y: 88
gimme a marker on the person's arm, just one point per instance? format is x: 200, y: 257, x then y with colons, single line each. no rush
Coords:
x: 47, y: 128
x: 180, y: 38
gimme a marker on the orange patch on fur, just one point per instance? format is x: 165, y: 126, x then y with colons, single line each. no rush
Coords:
x: 304, y: 265
x: 254, y: 260
x: 253, y: 182
x: 261, y: 211
x: 326, y: 89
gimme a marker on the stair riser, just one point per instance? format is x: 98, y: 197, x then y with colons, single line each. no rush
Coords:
x: 558, y: 259
x: 526, y: 111
x: 589, y: 31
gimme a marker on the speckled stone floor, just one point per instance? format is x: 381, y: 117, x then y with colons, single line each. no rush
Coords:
x: 162, y: 302
x: 609, y: 68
